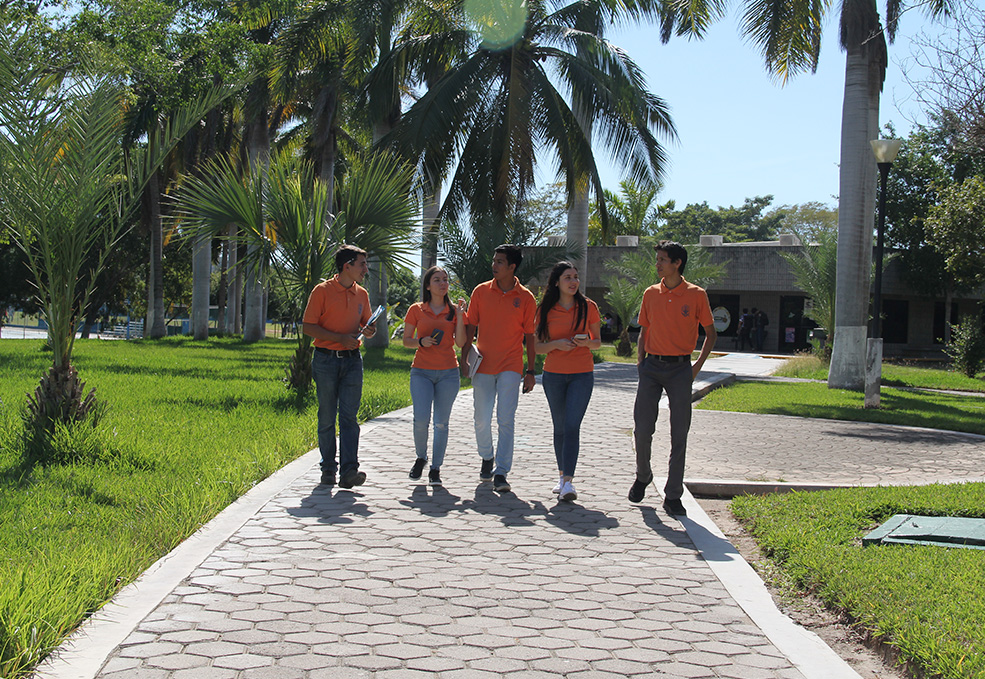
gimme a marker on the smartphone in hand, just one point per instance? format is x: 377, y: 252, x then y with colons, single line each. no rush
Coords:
x: 437, y: 334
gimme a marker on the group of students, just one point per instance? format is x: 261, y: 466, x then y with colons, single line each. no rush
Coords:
x: 507, y: 325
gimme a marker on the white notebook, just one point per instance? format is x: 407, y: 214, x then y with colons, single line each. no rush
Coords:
x: 472, y: 361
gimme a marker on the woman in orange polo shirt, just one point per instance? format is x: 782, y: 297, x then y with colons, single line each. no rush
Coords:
x: 435, y: 327
x: 568, y: 328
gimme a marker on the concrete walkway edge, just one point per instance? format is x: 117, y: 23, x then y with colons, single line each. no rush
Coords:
x: 806, y: 650
x: 84, y: 653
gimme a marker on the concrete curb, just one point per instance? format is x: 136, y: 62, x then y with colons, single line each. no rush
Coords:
x: 803, y: 648
x: 84, y: 652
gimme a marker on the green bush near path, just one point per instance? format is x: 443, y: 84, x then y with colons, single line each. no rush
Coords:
x: 190, y: 426
x: 926, y: 602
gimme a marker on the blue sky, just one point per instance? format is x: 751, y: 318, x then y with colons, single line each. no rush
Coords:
x: 740, y: 133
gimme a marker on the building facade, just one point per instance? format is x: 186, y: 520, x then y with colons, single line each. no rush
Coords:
x: 758, y: 276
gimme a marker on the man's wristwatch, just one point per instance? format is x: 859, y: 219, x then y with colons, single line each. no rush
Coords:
x: 531, y: 372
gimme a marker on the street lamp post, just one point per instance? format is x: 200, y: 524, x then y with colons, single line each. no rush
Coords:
x: 885, y: 151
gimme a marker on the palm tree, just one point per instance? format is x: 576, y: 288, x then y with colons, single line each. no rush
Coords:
x: 789, y: 35
x: 483, y: 122
x: 815, y: 271
x: 310, y: 67
x: 69, y: 194
x: 631, y: 213
x: 284, y: 214
x: 468, y: 252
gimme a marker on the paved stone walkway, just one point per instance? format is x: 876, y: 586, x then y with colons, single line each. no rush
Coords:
x: 396, y: 579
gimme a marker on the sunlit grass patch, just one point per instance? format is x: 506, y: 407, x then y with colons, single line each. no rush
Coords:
x: 808, y: 399
x: 188, y: 427
x: 927, y: 602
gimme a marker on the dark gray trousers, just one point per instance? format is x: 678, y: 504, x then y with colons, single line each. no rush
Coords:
x: 655, y: 377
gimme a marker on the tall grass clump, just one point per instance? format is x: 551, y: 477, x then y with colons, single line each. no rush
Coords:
x: 188, y: 427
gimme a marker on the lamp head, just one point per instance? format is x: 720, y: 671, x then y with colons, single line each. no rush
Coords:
x: 885, y: 150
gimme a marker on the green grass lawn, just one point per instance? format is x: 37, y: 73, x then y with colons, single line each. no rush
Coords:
x: 808, y: 366
x: 927, y: 602
x: 808, y: 399
x: 190, y: 426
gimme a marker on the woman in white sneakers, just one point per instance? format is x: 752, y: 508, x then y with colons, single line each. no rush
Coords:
x: 568, y: 328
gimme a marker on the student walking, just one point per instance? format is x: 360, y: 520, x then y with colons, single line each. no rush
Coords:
x: 435, y: 327
x: 670, y: 315
x: 337, y: 311
x: 502, y: 311
x: 568, y: 328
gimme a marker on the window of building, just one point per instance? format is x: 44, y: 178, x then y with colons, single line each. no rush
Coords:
x: 895, y: 321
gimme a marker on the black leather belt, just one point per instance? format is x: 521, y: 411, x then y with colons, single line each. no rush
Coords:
x: 338, y: 353
x: 670, y: 359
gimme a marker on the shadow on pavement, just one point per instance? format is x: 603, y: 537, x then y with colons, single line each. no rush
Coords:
x: 512, y: 510
x: 677, y: 536
x: 579, y: 520
x: 331, y: 505
x: 439, y: 503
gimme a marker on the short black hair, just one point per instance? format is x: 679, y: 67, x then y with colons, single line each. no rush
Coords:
x: 514, y: 253
x: 346, y: 254
x: 675, y: 251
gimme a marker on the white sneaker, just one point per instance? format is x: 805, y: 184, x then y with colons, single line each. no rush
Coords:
x: 568, y: 492
x: 557, y: 486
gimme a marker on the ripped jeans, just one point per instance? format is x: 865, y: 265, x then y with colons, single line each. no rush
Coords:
x: 439, y: 387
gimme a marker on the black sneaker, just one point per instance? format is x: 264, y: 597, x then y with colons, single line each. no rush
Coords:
x: 415, y: 471
x: 675, y: 508
x: 485, y: 473
x: 434, y: 477
x: 500, y: 484
x: 327, y: 479
x: 353, y: 479
x: 638, y: 491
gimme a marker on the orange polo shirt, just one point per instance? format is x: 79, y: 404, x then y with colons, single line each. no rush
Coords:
x: 672, y: 317
x: 503, y: 318
x: 337, y: 309
x: 439, y: 356
x: 560, y: 324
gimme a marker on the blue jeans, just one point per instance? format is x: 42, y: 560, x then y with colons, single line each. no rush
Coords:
x: 568, y: 396
x: 439, y: 387
x: 339, y: 382
x: 488, y: 390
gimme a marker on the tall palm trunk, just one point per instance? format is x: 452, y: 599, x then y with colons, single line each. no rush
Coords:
x: 258, y: 155
x: 234, y: 303
x: 202, y: 247
x: 430, y: 206
x: 578, y: 203
x: 323, y: 136
x: 856, y: 217
x: 154, y: 326
x: 377, y: 281
x: 222, y: 292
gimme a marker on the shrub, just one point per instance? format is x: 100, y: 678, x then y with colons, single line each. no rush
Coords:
x: 967, y: 346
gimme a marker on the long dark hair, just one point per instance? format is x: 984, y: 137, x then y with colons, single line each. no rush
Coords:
x: 551, y: 296
x: 426, y: 296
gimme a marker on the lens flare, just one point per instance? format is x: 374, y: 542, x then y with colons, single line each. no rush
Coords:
x: 499, y: 22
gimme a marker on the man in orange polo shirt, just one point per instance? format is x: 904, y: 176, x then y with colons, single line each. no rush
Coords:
x: 503, y: 311
x: 337, y: 311
x: 670, y: 315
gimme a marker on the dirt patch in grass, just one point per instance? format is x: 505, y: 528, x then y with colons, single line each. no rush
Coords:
x: 870, y: 662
